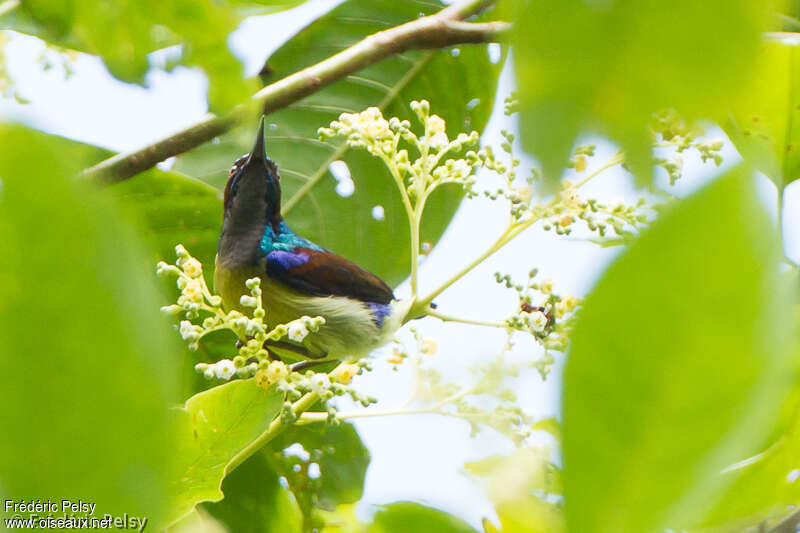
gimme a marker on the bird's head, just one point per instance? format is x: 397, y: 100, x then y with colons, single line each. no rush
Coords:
x: 253, y: 190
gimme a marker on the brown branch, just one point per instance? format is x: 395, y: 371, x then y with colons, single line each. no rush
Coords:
x: 788, y: 524
x: 442, y: 29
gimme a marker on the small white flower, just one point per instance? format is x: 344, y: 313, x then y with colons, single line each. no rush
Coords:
x: 461, y: 169
x: 435, y: 124
x: 188, y: 331
x: 537, y: 321
x: 345, y: 372
x: 438, y: 140
x: 224, y: 369
x: 276, y: 371
x: 208, y: 373
x: 297, y: 331
x: 193, y: 268
x: 320, y: 383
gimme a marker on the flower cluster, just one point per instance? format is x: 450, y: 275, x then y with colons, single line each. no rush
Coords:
x: 670, y: 131
x: 548, y: 316
x: 203, y: 314
x: 567, y: 208
x: 294, y: 385
x: 402, y: 351
x: 390, y: 140
x: 489, y: 401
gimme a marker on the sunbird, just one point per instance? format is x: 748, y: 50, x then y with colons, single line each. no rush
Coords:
x: 298, y: 277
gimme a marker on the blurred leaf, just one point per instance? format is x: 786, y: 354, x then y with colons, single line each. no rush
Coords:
x: 342, y: 459
x: 403, y: 517
x: 459, y: 85
x: 764, y: 489
x: 88, y: 370
x: 255, y: 501
x: 523, y: 487
x: 249, y: 8
x: 762, y: 125
x: 679, y: 366
x: 211, y: 429
x: 606, y: 66
x: 765, y: 485
x: 122, y: 33
x: 199, y: 521
x: 174, y: 209
x: 170, y: 208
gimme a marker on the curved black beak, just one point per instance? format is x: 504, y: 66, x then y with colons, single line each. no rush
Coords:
x: 258, y: 153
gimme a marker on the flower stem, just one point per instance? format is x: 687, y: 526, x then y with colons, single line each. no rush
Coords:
x: 275, y: 428
x: 446, y: 318
x: 618, y: 158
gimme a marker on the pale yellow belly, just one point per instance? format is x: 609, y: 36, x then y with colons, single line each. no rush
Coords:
x: 349, y: 331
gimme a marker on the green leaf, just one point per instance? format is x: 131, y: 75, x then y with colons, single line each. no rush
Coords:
x: 765, y: 485
x: 606, y: 66
x: 122, y: 33
x: 403, y: 517
x: 762, y: 124
x: 172, y: 209
x: 255, y: 501
x: 211, y: 429
x: 519, y: 485
x: 680, y: 363
x: 168, y: 207
x: 460, y: 88
x: 199, y: 521
x: 87, y: 367
x: 342, y: 459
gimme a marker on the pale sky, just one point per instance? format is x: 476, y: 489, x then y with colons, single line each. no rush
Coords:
x: 417, y: 457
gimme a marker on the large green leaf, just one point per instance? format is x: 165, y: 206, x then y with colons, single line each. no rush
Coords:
x: 167, y: 207
x: 211, y: 429
x: 255, y: 501
x: 680, y: 363
x: 762, y: 124
x: 459, y: 85
x: 88, y: 371
x: 606, y: 66
x: 340, y: 455
x: 765, y: 485
x: 403, y: 517
x: 173, y: 208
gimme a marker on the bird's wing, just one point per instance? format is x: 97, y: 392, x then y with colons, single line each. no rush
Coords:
x: 323, y: 273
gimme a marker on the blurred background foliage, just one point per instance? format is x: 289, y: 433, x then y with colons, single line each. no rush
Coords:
x: 680, y: 392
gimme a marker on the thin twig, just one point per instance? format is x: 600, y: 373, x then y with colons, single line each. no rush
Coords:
x: 434, y: 31
x: 457, y: 320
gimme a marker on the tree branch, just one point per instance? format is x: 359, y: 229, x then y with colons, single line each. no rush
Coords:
x: 788, y: 524
x: 442, y: 29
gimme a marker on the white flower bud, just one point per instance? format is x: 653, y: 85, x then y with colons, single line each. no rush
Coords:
x: 248, y: 301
